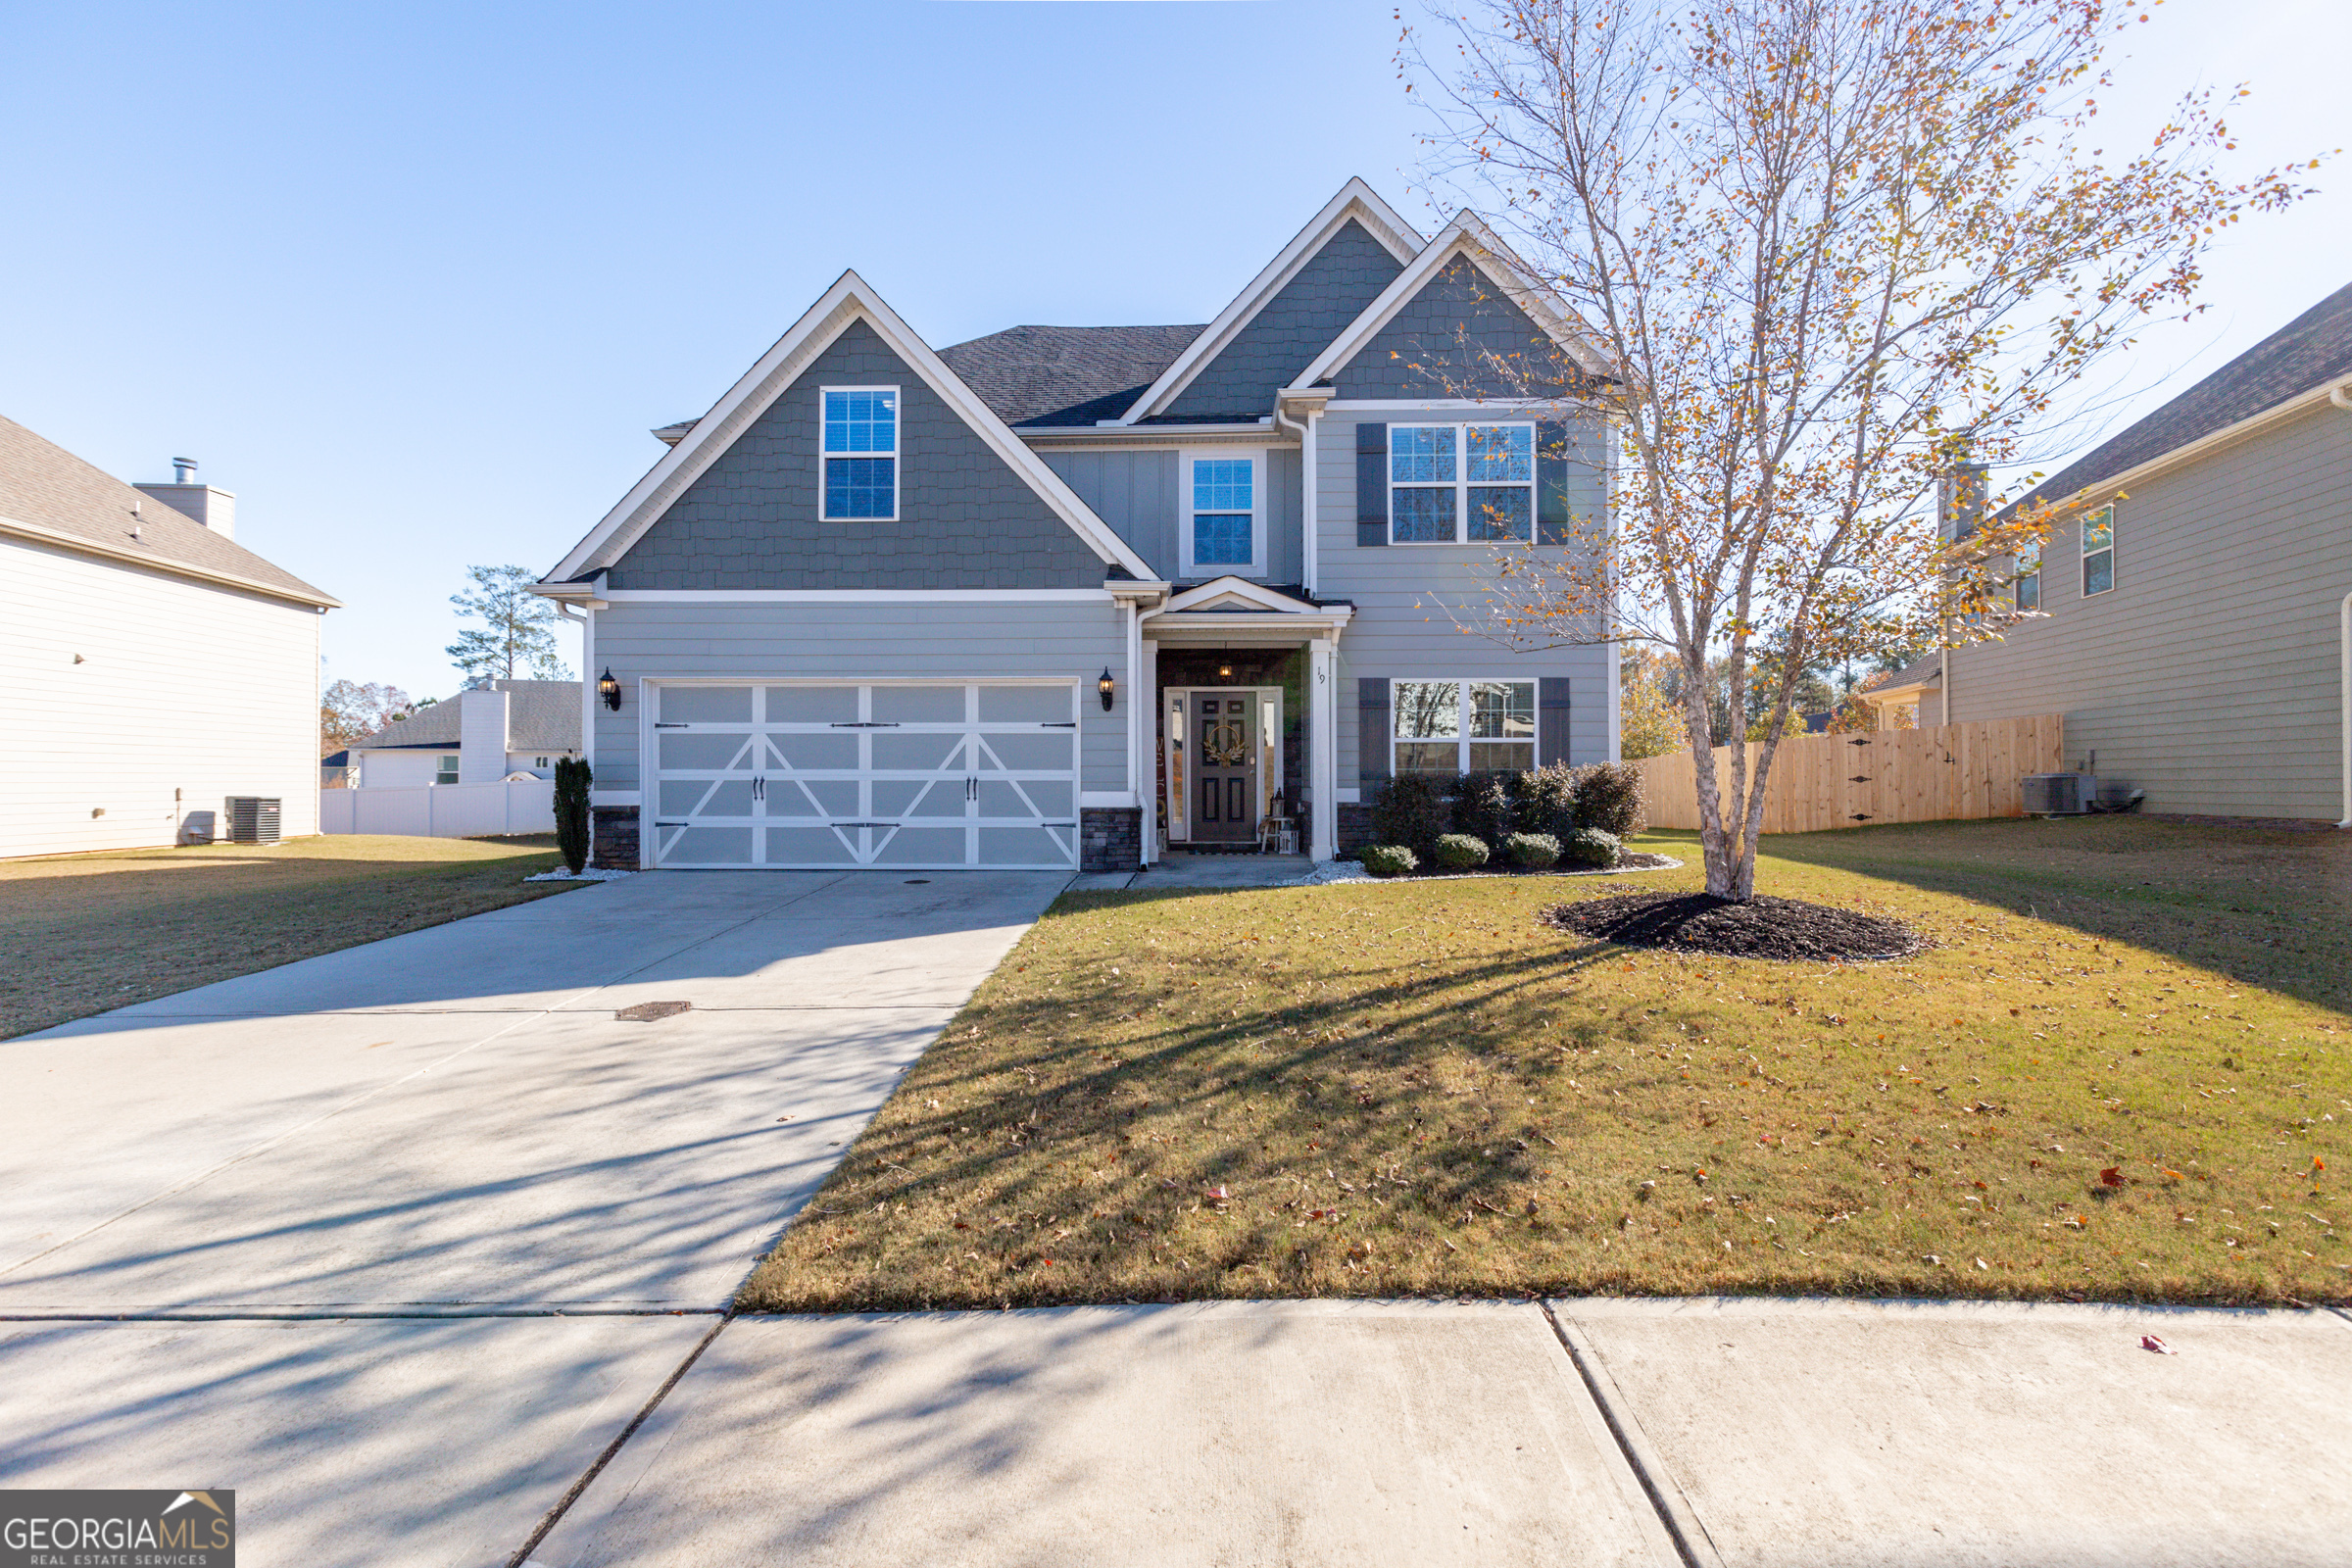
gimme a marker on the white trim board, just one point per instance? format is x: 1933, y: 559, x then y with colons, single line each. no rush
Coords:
x: 1355, y: 200
x: 859, y: 596
x: 849, y: 299
x: 1466, y: 237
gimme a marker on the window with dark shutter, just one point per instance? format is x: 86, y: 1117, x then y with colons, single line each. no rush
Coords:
x: 1372, y: 487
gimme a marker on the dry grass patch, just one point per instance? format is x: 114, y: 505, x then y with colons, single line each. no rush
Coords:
x: 1421, y: 1090
x: 81, y: 934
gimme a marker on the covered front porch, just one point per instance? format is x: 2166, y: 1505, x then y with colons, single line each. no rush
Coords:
x: 1244, y: 721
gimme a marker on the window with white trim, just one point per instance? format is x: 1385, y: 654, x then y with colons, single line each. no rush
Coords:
x: 860, y: 441
x: 2027, y: 584
x: 1461, y: 484
x: 2099, y: 552
x: 1462, y: 726
x: 1224, y: 513
x: 445, y: 771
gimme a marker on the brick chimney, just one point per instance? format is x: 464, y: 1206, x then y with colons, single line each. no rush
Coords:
x: 217, y: 509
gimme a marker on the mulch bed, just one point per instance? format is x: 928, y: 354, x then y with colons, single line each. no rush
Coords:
x: 1761, y: 928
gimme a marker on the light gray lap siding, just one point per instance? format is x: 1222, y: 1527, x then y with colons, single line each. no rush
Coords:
x: 1289, y: 329
x: 955, y: 642
x: 2210, y: 674
x: 1437, y: 346
x: 965, y: 519
x: 1412, y: 602
x: 1139, y: 494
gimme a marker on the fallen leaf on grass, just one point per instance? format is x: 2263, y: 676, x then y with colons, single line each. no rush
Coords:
x: 2111, y: 1177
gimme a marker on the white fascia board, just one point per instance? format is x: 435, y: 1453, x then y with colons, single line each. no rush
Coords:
x: 1466, y: 237
x: 859, y: 596
x: 2190, y: 451
x: 1355, y: 200
x: 1158, y: 437
x: 849, y: 299
x: 1241, y: 588
x: 79, y: 545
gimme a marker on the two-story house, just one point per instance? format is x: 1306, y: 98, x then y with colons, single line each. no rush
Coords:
x: 1066, y: 595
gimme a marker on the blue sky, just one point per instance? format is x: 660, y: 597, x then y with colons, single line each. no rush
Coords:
x: 414, y: 281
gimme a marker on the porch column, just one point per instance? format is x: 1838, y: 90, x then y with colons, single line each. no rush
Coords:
x: 1322, y: 749
x: 1146, y: 719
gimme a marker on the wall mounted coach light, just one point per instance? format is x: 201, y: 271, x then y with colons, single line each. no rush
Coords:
x: 1107, y: 686
x: 610, y: 689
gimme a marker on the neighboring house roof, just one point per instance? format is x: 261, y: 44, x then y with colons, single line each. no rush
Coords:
x: 1906, y: 683
x: 48, y: 494
x: 542, y: 715
x: 1064, y: 375
x: 2301, y: 357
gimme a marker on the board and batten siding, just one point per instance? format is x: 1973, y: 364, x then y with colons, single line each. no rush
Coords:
x: 1139, y: 494
x: 942, y: 641
x: 186, y: 694
x: 2209, y: 676
x: 1412, y: 602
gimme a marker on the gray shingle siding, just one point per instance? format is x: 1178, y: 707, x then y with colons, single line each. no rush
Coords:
x: 1435, y: 346
x: 1299, y: 322
x: 966, y: 519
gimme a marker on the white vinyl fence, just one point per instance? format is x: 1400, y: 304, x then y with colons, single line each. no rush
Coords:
x: 442, y: 811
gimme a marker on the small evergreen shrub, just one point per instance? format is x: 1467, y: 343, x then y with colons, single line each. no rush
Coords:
x: 1538, y: 852
x: 1388, y: 860
x: 1608, y: 797
x: 1546, y: 800
x: 1459, y: 851
x: 1412, y: 810
x: 1588, y: 849
x: 1483, y: 806
x: 572, y: 778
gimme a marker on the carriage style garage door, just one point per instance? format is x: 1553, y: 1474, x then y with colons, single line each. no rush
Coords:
x: 915, y: 775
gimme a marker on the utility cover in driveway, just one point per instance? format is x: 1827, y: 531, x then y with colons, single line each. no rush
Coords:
x: 907, y: 774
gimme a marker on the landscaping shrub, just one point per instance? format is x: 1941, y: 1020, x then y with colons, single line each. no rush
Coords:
x: 1459, y: 851
x: 1388, y: 860
x: 1608, y: 797
x: 1483, y: 806
x: 1588, y: 849
x: 572, y: 777
x: 1537, y: 851
x: 1546, y: 800
x: 1413, y: 810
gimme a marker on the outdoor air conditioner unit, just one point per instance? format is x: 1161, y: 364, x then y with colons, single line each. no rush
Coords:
x: 253, y: 820
x: 2058, y: 794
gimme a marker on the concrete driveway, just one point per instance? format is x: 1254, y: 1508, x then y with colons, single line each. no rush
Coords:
x: 395, y: 1239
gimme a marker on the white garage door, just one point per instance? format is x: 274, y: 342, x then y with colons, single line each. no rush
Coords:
x: 904, y: 774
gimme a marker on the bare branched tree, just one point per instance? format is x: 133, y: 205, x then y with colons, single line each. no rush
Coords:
x: 1831, y: 253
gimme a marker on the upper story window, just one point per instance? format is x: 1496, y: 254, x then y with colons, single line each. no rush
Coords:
x: 1463, y: 726
x: 1456, y: 484
x: 861, y: 453
x: 2099, y: 552
x: 2028, y: 579
x: 1224, y: 513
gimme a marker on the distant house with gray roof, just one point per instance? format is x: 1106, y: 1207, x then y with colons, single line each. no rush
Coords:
x: 155, y: 667
x: 483, y: 734
x: 2195, y: 617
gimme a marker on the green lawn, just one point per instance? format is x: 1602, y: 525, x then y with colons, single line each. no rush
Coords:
x: 81, y: 934
x: 1420, y: 1090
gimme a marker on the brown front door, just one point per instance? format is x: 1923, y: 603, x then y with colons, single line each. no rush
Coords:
x: 1225, y: 768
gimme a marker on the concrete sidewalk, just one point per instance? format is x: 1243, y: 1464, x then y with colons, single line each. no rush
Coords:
x: 1805, y: 1434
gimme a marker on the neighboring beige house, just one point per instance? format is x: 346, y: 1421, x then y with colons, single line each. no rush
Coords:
x: 2194, y: 628
x: 154, y: 668
x: 479, y: 736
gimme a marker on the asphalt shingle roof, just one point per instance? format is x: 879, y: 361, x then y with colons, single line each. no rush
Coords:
x: 2309, y: 351
x: 43, y: 484
x: 542, y: 715
x: 1066, y: 376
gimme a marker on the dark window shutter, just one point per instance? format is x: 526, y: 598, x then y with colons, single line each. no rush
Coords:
x: 1551, y: 720
x: 1551, y: 484
x: 1372, y: 493
x: 1371, y: 731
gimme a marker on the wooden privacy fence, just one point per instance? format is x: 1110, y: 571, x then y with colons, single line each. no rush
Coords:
x: 1900, y: 775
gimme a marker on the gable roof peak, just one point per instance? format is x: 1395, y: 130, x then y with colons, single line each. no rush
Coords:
x: 1355, y: 201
